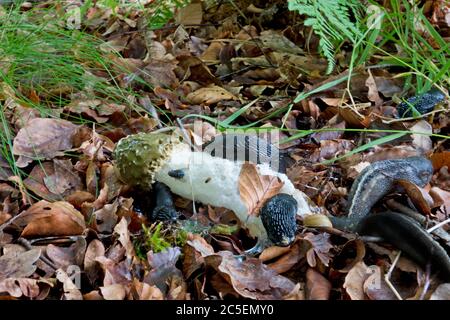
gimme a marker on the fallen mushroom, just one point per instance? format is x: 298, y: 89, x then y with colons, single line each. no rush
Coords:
x: 144, y: 158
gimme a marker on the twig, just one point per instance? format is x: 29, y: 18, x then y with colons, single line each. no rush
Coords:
x: 387, y: 276
x: 438, y: 225
x: 26, y: 244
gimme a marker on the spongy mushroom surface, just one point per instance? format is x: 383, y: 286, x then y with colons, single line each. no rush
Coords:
x: 215, y: 181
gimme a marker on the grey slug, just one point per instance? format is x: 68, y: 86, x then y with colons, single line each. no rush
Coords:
x: 247, y: 147
x: 278, y: 217
x: 423, y: 103
x: 403, y: 232
x: 408, y: 235
x: 164, y: 207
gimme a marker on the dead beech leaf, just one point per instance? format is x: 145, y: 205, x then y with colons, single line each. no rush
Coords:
x: 43, y: 138
x: 210, y: 95
x: 317, y: 286
x: 256, y: 189
x: 18, y: 265
x: 354, y: 119
x: 442, y: 292
x: 51, y: 219
x: 250, y: 278
x: 317, y: 220
x: 18, y: 287
x: 289, y: 259
x: 163, y: 267
x: 71, y: 292
x: 91, y: 267
x: 376, y: 288
x: 373, y: 94
x: 320, y: 247
x: 190, y: 14
x: 355, y: 279
x: 422, y: 141
x: 63, y: 257
x: 441, y: 198
x: 418, y: 196
x: 115, y: 291
x: 145, y: 291
x: 440, y: 160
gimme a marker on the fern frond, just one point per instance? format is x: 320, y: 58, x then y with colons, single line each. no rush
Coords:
x: 331, y: 21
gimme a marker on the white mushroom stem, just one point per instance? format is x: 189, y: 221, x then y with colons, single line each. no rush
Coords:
x: 215, y: 181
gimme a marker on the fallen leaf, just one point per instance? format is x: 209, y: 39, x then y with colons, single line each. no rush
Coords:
x: 255, y: 189
x: 422, y: 141
x: 317, y: 286
x: 320, y: 247
x: 115, y: 291
x: 421, y: 199
x: 376, y: 287
x: 210, y: 95
x: 71, y: 292
x: 250, y: 278
x: 355, y: 279
x: 442, y: 292
x: 163, y: 267
x: 190, y: 14
x: 18, y: 265
x: 440, y: 160
x: 51, y: 219
x: 43, y: 138
x: 91, y: 267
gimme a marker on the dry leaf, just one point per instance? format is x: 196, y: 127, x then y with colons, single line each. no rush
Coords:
x: 317, y: 286
x: 18, y: 265
x: 255, y: 189
x: 210, y: 95
x: 355, y: 279
x: 51, y: 219
x: 43, y: 138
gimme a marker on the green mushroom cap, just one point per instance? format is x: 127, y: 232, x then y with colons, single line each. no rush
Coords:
x: 138, y: 157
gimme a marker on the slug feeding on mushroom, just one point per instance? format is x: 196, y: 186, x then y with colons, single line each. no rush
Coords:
x: 144, y: 158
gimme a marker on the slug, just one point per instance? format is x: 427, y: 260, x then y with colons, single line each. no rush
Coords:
x: 403, y: 232
x: 247, y: 147
x: 278, y: 217
x: 378, y: 179
x: 144, y: 158
x: 164, y: 207
x: 407, y: 235
x: 423, y: 103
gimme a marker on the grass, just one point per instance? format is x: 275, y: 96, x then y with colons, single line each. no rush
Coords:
x: 42, y: 58
x: 42, y: 64
x: 424, y: 65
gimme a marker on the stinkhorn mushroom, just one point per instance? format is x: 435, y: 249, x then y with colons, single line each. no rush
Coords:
x: 144, y: 158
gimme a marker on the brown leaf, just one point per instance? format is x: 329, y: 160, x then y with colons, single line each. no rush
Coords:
x: 163, y: 267
x: 18, y: 265
x: 250, y: 278
x: 355, y: 279
x: 442, y: 292
x: 373, y: 90
x: 51, y: 219
x: 317, y: 286
x: 71, y: 292
x: 290, y: 259
x: 441, y: 198
x: 440, y: 160
x: 256, y: 189
x: 321, y: 247
x: 210, y: 95
x: 115, y: 291
x: 417, y: 195
x: 190, y: 14
x: 106, y: 218
x: 17, y: 287
x: 43, y: 138
x: 64, y: 257
x: 145, y: 291
x: 376, y: 288
x: 95, y: 249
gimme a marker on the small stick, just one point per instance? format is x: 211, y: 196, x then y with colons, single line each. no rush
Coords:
x: 387, y: 276
x: 26, y: 244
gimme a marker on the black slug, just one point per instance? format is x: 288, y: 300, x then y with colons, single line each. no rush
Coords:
x: 164, y: 208
x: 278, y: 217
x: 407, y: 235
x: 377, y: 180
x: 247, y: 147
x: 423, y: 103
